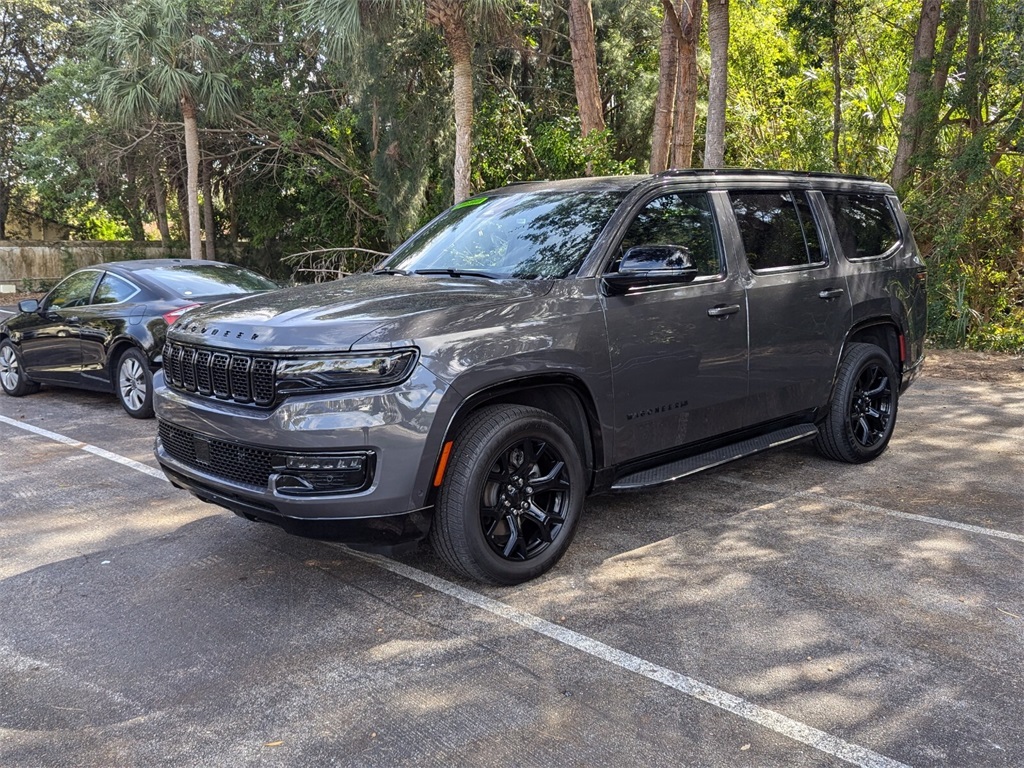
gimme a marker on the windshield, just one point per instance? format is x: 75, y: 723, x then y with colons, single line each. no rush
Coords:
x: 526, y: 235
x: 190, y: 281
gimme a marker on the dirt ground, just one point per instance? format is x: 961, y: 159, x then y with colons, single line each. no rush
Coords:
x: 976, y: 366
x: 939, y: 363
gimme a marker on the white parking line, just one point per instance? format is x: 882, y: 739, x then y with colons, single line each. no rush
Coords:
x: 96, y: 451
x: 767, y: 718
x: 8, y: 312
x: 877, y: 510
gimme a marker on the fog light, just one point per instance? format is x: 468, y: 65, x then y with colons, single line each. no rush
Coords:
x: 322, y: 474
x: 325, y: 463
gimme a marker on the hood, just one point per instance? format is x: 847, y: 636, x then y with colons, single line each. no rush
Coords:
x: 336, y: 315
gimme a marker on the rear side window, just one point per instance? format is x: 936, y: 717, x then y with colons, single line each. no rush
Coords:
x: 865, y: 224
x: 113, y: 290
x: 778, y: 230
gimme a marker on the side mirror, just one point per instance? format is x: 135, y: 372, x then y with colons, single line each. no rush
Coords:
x: 28, y: 306
x: 651, y: 265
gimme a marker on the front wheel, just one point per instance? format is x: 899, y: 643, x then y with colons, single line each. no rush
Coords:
x: 134, y: 384
x: 862, y: 412
x: 512, y: 495
x: 12, y: 373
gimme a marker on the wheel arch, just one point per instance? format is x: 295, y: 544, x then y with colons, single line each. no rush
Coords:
x: 117, y: 350
x: 563, y: 395
x: 883, y: 332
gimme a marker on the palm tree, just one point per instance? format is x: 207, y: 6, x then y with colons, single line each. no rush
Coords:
x: 157, y: 61
x: 344, y: 23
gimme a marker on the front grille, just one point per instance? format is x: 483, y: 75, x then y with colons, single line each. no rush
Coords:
x: 227, y: 376
x: 237, y: 463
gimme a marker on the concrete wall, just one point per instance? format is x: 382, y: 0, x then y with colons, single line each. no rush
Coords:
x: 29, y: 262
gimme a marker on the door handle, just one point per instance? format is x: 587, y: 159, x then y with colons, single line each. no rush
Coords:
x: 73, y: 319
x: 723, y: 309
x: 833, y: 293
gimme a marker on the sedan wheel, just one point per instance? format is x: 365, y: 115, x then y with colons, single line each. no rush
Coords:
x: 135, y: 385
x: 12, y: 375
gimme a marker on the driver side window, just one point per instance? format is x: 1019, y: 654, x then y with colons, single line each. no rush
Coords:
x: 683, y: 220
x: 75, y: 291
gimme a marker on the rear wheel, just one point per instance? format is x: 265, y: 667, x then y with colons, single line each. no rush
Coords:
x: 512, y: 495
x: 862, y: 412
x: 133, y: 384
x: 12, y: 374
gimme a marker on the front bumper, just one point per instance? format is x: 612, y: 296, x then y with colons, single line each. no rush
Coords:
x: 393, y: 427
x: 394, y: 534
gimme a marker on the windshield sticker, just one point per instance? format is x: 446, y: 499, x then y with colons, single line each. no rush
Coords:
x: 467, y: 203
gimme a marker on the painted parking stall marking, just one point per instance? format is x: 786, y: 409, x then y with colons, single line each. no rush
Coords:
x: 766, y: 718
x: 95, y: 450
x: 875, y: 509
x: 762, y: 716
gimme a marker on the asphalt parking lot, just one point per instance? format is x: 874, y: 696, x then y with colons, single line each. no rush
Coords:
x: 779, y: 611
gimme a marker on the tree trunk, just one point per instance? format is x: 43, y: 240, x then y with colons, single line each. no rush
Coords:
x: 195, y: 235
x: 718, y: 42
x: 952, y: 20
x: 134, y: 204
x: 182, y: 197
x: 973, y: 64
x: 450, y: 17
x: 5, y: 201
x: 159, y: 200
x: 837, y: 95
x: 918, y: 86
x: 686, y: 84
x: 668, y: 55
x: 584, y: 66
x: 208, y: 224
x: 230, y: 199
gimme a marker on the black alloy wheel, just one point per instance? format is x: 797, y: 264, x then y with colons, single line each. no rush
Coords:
x: 523, y: 502
x: 512, y: 495
x: 862, y: 412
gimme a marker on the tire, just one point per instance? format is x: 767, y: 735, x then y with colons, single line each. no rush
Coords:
x: 133, y: 384
x: 512, y: 496
x: 13, y: 378
x: 862, y: 412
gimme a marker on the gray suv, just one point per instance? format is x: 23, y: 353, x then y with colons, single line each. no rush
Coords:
x: 546, y: 341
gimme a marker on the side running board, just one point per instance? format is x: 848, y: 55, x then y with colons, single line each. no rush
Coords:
x: 666, y: 473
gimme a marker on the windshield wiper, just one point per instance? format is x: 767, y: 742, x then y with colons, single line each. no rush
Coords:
x: 392, y: 271
x: 458, y: 273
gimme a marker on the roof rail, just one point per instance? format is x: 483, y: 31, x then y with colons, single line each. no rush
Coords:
x: 672, y: 172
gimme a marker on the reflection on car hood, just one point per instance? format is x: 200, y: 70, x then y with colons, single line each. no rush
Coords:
x: 336, y: 315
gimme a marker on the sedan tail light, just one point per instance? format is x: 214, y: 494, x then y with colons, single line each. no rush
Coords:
x: 174, y: 314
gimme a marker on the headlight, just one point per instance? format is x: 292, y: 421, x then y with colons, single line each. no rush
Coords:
x: 368, y: 370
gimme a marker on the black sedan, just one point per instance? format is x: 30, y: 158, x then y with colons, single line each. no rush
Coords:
x: 103, y: 327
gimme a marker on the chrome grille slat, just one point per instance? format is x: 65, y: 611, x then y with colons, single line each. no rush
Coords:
x: 227, y: 376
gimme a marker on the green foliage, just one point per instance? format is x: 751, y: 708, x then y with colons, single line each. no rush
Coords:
x: 563, y: 154
x: 971, y: 227
x: 353, y: 152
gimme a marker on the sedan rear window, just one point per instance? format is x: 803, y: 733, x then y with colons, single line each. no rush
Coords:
x: 190, y: 281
